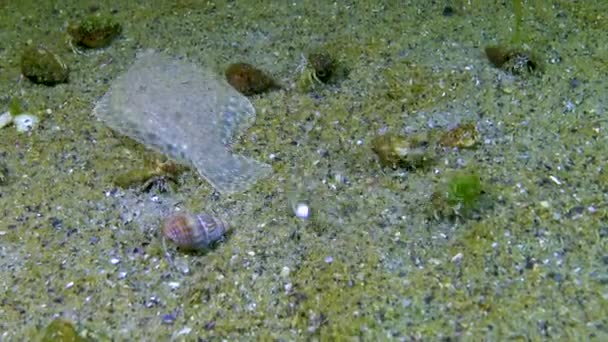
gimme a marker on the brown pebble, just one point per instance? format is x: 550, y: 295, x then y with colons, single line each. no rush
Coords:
x: 248, y: 80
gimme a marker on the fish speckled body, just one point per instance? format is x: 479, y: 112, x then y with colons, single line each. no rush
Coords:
x: 194, y: 232
x: 186, y: 112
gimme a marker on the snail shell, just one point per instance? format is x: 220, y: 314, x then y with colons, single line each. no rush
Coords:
x: 194, y: 232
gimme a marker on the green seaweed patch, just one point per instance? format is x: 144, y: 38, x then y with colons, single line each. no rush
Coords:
x: 61, y: 330
x: 15, y: 107
x: 459, y: 194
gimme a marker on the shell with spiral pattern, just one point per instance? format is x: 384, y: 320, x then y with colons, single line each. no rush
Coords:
x: 194, y: 232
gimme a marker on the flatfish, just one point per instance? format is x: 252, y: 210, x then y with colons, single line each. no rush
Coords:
x: 186, y: 112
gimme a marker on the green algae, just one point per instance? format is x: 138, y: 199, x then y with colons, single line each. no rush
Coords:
x: 464, y: 189
x: 15, y: 107
x: 518, y: 14
x: 60, y: 331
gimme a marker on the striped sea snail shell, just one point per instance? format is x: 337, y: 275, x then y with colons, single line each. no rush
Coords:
x: 194, y: 232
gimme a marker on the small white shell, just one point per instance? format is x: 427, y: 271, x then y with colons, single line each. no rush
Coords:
x: 5, y: 119
x: 302, y: 210
x: 25, y: 122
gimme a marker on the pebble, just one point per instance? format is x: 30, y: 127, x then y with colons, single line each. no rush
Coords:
x: 168, y: 318
x: 302, y: 210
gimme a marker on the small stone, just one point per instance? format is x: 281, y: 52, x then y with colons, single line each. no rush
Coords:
x: 302, y: 210
x: 168, y: 318
x: 457, y: 258
x: 184, y: 331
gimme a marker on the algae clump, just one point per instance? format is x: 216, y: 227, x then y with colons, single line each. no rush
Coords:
x: 458, y: 195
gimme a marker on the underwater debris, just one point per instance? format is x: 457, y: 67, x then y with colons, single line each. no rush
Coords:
x: 194, y: 232
x: 249, y: 80
x: 187, y: 113
x: 41, y: 66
